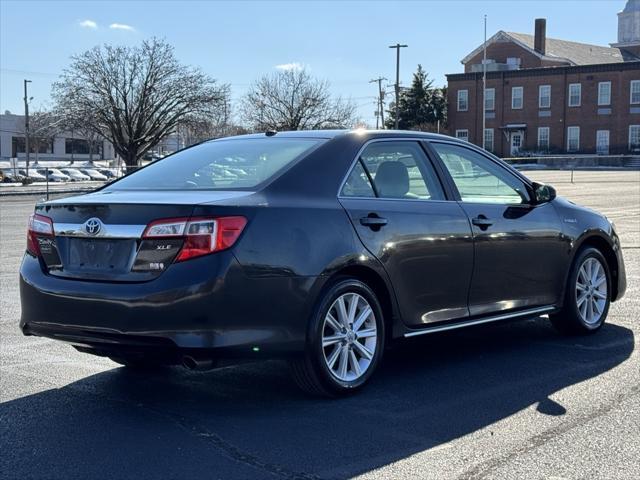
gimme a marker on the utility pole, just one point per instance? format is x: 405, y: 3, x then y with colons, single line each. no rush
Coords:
x: 397, y: 46
x: 26, y: 124
x: 380, y: 100
x: 484, y: 84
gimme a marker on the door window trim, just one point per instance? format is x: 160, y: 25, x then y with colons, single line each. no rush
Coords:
x: 420, y: 142
x: 506, y: 168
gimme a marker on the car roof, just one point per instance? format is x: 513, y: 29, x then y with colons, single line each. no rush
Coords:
x: 329, y: 134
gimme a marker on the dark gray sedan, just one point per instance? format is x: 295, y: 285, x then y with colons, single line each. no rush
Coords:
x: 320, y: 247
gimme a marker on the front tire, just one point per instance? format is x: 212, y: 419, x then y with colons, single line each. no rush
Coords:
x: 587, y: 296
x: 345, y: 341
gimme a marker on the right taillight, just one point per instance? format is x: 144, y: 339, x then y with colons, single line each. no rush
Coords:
x: 202, y: 235
x: 39, y: 226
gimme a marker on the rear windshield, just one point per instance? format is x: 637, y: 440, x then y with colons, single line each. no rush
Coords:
x: 221, y: 165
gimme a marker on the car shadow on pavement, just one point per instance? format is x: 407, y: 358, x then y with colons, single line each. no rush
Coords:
x: 250, y: 421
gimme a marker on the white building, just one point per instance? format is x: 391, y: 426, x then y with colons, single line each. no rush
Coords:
x: 66, y: 146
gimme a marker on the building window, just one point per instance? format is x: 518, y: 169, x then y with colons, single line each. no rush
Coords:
x: 635, y: 92
x: 604, y: 93
x: 575, y: 94
x: 602, y: 142
x: 463, y: 134
x: 36, y: 145
x: 634, y: 138
x: 514, y: 61
x: 543, y: 138
x: 488, y: 139
x: 80, y: 146
x: 544, y: 96
x: 516, y: 98
x: 463, y: 100
x: 490, y: 99
x: 573, y: 139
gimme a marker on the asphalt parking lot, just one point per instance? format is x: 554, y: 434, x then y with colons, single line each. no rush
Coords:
x: 501, y: 401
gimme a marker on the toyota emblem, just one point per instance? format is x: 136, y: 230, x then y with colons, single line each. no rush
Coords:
x: 93, y: 226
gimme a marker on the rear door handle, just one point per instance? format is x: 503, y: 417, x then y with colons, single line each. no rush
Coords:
x: 373, y: 221
x: 482, y: 222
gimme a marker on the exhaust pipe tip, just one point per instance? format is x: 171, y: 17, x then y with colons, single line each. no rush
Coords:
x: 192, y: 363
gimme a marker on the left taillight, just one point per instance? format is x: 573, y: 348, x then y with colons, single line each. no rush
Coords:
x: 39, y: 226
x: 201, y: 235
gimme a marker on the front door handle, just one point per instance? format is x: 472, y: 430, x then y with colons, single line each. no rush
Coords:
x: 482, y: 222
x: 373, y: 221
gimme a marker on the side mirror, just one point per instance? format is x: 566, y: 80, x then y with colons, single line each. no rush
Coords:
x: 543, y: 193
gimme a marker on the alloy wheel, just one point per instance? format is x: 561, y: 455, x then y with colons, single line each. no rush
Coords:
x: 591, y: 291
x: 349, y: 337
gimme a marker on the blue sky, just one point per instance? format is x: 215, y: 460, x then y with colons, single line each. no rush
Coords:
x: 345, y: 42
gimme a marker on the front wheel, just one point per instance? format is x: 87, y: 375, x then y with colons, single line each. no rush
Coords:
x: 587, y: 296
x: 345, y: 341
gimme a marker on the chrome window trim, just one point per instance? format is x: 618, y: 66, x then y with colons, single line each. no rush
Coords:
x: 479, y: 321
x: 420, y: 140
x: 107, y: 230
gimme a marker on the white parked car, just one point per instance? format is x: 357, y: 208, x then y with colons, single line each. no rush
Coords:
x: 75, y: 175
x: 94, y: 174
x: 33, y: 175
x: 54, y: 175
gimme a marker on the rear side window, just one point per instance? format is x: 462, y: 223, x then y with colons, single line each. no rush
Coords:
x: 401, y: 170
x: 220, y: 165
x: 358, y: 184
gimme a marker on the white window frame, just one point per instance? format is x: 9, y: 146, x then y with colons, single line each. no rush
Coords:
x: 540, y: 97
x: 492, y: 98
x: 601, y: 101
x: 572, y: 85
x: 574, y: 128
x: 548, y: 142
x: 631, y: 127
x: 631, y: 85
x: 466, y: 100
x: 514, y: 97
x: 461, y: 130
x: 489, y: 145
x: 608, y: 136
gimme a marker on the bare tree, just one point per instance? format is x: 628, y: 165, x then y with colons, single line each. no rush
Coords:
x: 83, y: 123
x: 294, y: 100
x: 138, y: 95
x: 44, y: 125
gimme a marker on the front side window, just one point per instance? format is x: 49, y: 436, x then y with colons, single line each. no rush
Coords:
x: 634, y: 137
x: 490, y: 99
x: 604, y: 93
x: 479, y: 179
x: 573, y: 139
x: 575, y: 94
x: 220, y: 165
x: 543, y: 138
x: 463, y: 100
x: 544, y: 96
x: 635, y: 92
x: 401, y: 170
x: 516, y: 98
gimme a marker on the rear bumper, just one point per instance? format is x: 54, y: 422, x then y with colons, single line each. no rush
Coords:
x: 206, y: 305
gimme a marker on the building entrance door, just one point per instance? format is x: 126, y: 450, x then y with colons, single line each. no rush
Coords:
x: 516, y: 143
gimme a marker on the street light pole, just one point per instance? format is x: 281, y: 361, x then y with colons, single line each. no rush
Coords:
x: 26, y: 124
x: 397, y: 46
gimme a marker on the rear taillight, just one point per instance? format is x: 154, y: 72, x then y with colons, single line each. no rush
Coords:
x: 39, y: 226
x: 202, y: 235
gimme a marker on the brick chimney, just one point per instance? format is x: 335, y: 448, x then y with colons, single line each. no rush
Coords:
x: 540, y: 39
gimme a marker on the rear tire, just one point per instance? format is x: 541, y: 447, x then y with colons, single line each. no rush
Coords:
x: 587, y: 295
x: 345, y: 341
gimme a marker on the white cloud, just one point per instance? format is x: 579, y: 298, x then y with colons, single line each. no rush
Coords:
x: 88, y: 24
x: 290, y: 66
x: 121, y: 26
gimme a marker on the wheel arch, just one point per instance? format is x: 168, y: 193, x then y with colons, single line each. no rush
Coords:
x: 603, y: 244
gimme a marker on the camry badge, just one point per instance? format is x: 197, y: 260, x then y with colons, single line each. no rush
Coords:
x: 93, y: 226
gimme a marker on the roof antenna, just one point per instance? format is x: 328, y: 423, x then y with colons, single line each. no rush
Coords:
x: 270, y: 133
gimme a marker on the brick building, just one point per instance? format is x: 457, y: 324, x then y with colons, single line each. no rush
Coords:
x: 551, y: 96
